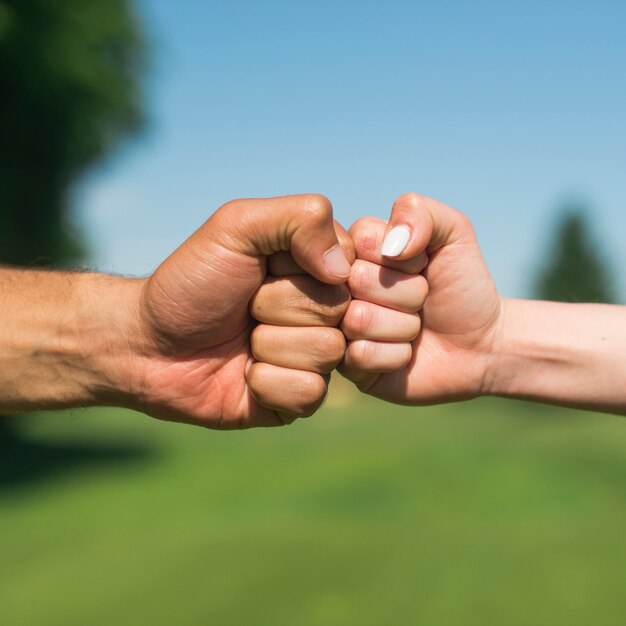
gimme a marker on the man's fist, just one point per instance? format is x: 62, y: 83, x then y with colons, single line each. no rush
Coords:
x: 199, y: 364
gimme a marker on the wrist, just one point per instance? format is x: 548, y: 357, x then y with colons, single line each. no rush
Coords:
x: 110, y: 346
x: 533, y: 350
x: 496, y: 374
x: 481, y: 370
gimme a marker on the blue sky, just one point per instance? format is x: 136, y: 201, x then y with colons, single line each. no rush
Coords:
x: 500, y: 109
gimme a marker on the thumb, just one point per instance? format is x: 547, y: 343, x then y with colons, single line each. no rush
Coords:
x: 283, y: 264
x: 301, y: 224
x: 419, y: 224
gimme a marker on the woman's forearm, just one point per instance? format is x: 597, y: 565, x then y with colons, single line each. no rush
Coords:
x: 566, y: 354
x: 65, y: 339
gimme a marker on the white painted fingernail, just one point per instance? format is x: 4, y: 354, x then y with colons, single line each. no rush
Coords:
x: 395, y: 241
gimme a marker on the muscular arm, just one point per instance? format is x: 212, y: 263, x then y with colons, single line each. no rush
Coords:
x: 567, y: 354
x: 66, y: 339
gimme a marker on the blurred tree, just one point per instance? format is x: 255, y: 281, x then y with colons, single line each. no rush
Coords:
x: 70, y: 90
x: 575, y: 271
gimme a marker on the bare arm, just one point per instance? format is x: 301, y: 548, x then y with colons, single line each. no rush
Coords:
x: 66, y: 339
x: 566, y: 354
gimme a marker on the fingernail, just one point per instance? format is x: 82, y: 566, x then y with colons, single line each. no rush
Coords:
x: 395, y: 241
x: 336, y: 262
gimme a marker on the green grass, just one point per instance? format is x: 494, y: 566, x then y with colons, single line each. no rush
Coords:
x: 488, y: 512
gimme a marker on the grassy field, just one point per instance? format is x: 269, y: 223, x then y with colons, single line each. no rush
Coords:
x: 488, y: 512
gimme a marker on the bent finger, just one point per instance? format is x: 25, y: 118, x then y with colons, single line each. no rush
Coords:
x: 299, y: 301
x: 365, y: 320
x: 368, y: 234
x: 283, y: 264
x: 290, y: 393
x: 419, y: 224
x: 314, y: 349
x: 364, y: 358
x: 387, y: 287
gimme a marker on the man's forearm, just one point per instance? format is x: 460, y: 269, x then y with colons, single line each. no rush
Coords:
x: 66, y: 339
x: 566, y: 354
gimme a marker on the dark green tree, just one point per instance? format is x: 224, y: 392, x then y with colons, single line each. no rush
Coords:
x: 575, y: 271
x: 70, y: 91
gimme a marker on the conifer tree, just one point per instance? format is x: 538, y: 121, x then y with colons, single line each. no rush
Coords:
x: 575, y: 269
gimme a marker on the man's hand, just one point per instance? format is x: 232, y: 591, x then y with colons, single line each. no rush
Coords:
x: 195, y: 312
x: 450, y: 358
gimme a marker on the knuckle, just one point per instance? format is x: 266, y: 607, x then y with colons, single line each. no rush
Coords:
x: 463, y: 222
x: 234, y: 207
x: 230, y: 205
x: 331, y: 346
x: 313, y: 392
x: 264, y: 298
x: 361, y: 317
x: 365, y: 233
x: 351, y: 324
x: 462, y: 219
x: 224, y: 214
x: 318, y: 207
x: 418, y: 292
x: 360, y: 224
x: 368, y: 244
x: 361, y: 352
x: 358, y: 229
x: 412, y: 199
x: 359, y: 280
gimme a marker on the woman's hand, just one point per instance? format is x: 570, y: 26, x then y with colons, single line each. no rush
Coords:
x: 450, y: 358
